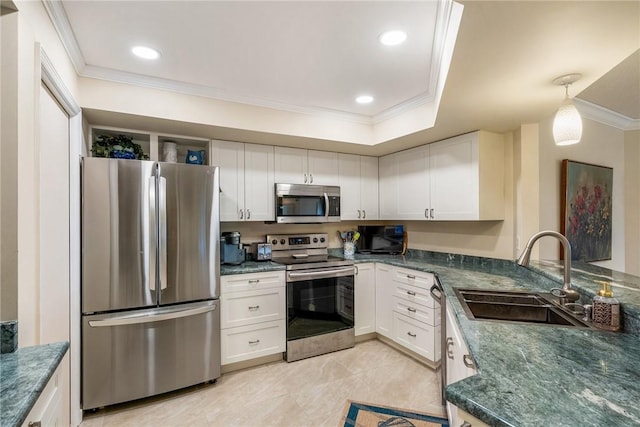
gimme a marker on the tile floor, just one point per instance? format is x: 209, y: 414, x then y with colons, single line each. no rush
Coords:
x: 309, y: 392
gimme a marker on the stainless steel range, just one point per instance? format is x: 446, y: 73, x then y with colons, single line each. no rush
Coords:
x: 320, y: 303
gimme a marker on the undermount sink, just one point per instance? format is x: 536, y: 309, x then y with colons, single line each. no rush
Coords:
x: 517, y: 306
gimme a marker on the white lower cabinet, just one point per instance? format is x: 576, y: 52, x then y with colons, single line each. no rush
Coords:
x: 253, y: 316
x: 50, y: 408
x: 365, y: 299
x: 459, y: 366
x: 405, y: 310
x: 384, y: 300
x: 417, y: 336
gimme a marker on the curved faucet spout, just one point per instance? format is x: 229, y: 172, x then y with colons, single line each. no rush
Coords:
x: 523, y: 260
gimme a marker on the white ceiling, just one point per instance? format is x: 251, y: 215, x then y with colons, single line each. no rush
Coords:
x: 320, y: 55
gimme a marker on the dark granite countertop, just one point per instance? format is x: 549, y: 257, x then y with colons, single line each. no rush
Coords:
x: 538, y: 375
x: 23, y: 375
x: 250, y: 267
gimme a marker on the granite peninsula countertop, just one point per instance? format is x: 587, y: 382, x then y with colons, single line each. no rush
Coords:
x: 537, y: 375
x: 23, y: 375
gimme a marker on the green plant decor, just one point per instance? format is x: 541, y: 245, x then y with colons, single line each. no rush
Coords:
x: 118, y: 147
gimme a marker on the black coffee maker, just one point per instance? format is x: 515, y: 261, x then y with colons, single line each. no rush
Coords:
x: 231, y: 250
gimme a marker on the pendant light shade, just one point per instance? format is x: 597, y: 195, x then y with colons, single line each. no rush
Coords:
x: 567, y: 124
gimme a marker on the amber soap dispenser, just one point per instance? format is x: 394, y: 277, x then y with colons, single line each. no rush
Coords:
x: 606, y: 309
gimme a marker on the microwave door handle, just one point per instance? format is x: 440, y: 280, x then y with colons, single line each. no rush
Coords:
x: 326, y: 205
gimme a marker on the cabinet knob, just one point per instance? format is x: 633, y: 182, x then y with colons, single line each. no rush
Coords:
x: 466, y: 424
x: 411, y: 309
x: 426, y: 213
x: 248, y: 214
x: 358, y: 213
x: 254, y: 342
x: 412, y: 335
x: 364, y: 214
x: 305, y: 178
x: 241, y: 214
x: 431, y: 214
x: 311, y: 178
x: 35, y: 424
x: 413, y: 294
x: 253, y: 307
x: 468, y: 361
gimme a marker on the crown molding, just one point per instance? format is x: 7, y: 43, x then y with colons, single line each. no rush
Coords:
x: 605, y: 116
x: 58, y: 17
x: 55, y: 84
x: 60, y: 21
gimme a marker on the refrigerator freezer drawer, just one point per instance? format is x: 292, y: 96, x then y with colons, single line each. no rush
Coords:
x: 131, y: 355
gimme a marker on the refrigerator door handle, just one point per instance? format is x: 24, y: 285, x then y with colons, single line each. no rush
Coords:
x: 136, y: 319
x: 162, y: 218
x: 149, y: 235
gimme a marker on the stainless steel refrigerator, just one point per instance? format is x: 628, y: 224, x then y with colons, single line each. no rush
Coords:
x: 150, y: 278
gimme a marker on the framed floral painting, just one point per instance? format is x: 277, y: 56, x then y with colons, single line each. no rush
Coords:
x: 586, y: 210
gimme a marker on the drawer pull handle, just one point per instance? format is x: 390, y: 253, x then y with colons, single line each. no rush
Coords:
x: 254, y: 342
x: 254, y: 307
x: 411, y: 334
x: 450, y: 347
x: 348, y: 307
x: 468, y: 361
x: 411, y: 309
x: 253, y: 282
x: 466, y: 424
x: 411, y: 276
x: 413, y: 294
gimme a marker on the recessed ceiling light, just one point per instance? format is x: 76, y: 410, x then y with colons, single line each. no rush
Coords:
x: 145, y: 52
x: 364, y: 99
x: 392, y: 38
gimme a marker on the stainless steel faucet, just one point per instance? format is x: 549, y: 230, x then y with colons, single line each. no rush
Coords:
x: 567, y: 292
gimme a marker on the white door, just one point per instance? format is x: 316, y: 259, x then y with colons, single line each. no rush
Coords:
x: 387, y: 187
x: 259, y: 188
x: 229, y: 156
x: 350, y: 187
x: 369, y: 187
x: 323, y: 168
x: 54, y: 220
x: 291, y: 166
x: 454, y: 178
x: 55, y: 246
x: 365, y: 299
x: 413, y: 183
x: 385, y: 287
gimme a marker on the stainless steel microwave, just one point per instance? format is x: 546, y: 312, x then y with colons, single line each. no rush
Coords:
x: 305, y: 204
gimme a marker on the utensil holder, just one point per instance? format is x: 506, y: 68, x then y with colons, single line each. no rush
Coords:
x: 349, y: 250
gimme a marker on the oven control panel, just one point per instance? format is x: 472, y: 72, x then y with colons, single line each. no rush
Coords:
x: 281, y: 242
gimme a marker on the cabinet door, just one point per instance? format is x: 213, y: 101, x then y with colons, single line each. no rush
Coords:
x: 259, y: 193
x: 369, y: 187
x: 291, y: 166
x: 384, y: 300
x: 365, y: 295
x: 454, y: 178
x: 349, y: 166
x: 323, y: 168
x: 388, y: 184
x: 413, y: 183
x: 229, y: 156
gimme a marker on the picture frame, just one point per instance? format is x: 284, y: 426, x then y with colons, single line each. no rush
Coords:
x: 586, y: 210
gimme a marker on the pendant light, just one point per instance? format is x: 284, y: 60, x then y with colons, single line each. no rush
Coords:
x: 567, y: 124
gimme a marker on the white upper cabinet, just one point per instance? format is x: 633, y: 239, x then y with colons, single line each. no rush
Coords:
x: 460, y: 178
x: 298, y: 166
x: 358, y: 187
x: 246, y: 180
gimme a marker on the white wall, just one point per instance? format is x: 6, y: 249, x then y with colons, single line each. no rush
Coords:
x: 632, y: 201
x: 601, y: 145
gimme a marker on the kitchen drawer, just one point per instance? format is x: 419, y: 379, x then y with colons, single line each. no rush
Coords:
x: 414, y: 295
x: 249, y: 307
x: 414, y: 278
x: 417, y: 336
x: 418, y: 312
x: 252, y: 281
x: 250, y: 342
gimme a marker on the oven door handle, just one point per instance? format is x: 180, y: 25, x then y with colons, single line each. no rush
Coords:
x: 322, y: 274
